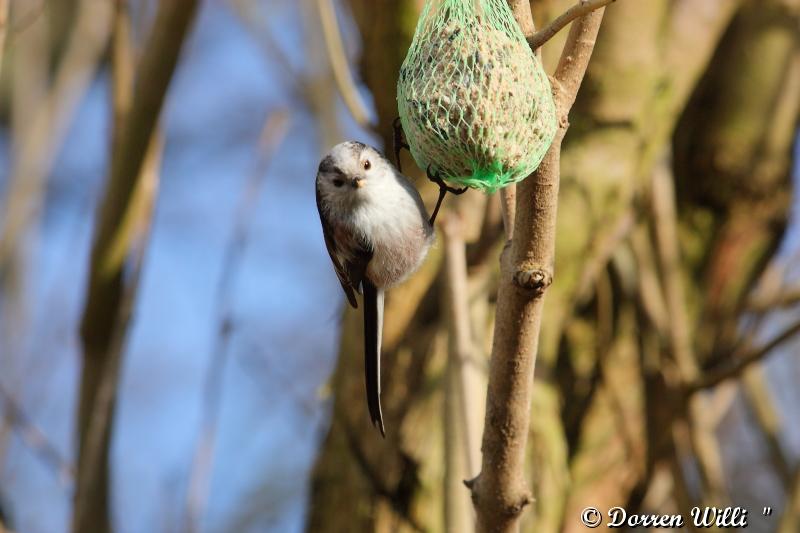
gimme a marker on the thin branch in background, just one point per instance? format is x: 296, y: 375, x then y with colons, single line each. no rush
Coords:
x: 249, y: 14
x: 770, y: 294
x: 26, y: 69
x: 3, y: 25
x: 701, y: 431
x: 761, y: 403
x: 47, y: 127
x: 606, y: 348
x: 36, y: 440
x: 667, y: 247
x: 463, y: 378
x: 681, y: 449
x: 720, y: 404
x: 583, y: 7
x: 742, y: 361
x: 36, y: 352
x: 508, y: 208
x: 260, y: 365
x: 5, y: 423
x: 605, y: 244
x: 784, y: 298
x: 340, y: 65
x: 479, y: 251
x: 790, y: 519
x: 649, y: 293
x: 272, y: 135
x: 26, y: 20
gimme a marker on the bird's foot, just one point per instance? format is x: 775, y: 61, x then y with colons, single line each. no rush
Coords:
x: 444, y: 188
x: 397, y: 141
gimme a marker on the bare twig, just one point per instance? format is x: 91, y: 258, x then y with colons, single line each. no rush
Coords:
x: 36, y: 440
x: 341, y: 68
x: 666, y: 229
x: 3, y: 25
x: 463, y: 346
x: 762, y: 404
x: 703, y: 440
x: 500, y: 492
x: 480, y: 250
x: 272, y: 135
x: 461, y: 439
x: 790, y: 519
x: 783, y: 298
x: 508, y: 208
x: 650, y: 295
x: 583, y: 7
x: 605, y: 246
x: 46, y: 129
x: 743, y: 361
x: 27, y: 19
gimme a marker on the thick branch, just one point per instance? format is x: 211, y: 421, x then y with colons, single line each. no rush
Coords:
x: 500, y: 492
x: 123, y: 220
x: 583, y: 7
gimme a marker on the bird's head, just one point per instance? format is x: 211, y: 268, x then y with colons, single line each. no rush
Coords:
x: 351, y: 170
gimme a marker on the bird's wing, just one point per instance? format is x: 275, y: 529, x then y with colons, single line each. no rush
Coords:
x: 352, y: 272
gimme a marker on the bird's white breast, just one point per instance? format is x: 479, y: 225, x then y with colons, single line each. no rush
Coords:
x: 391, y: 221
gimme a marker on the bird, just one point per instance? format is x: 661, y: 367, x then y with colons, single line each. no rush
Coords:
x: 377, y: 233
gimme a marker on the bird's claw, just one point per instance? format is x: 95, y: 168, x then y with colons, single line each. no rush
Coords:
x: 436, y: 178
x: 397, y: 141
x: 444, y: 188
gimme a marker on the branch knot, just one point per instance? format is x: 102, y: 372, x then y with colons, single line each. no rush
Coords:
x: 535, y: 279
x: 517, y: 508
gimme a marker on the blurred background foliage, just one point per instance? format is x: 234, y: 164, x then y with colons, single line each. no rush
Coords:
x: 167, y: 308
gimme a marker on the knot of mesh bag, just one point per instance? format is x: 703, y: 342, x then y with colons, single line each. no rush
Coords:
x: 474, y: 101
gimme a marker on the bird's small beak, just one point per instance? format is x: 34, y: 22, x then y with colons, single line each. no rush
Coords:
x: 357, y: 183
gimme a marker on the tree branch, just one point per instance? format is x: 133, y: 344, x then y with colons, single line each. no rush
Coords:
x: 36, y: 440
x: 272, y: 136
x: 508, y: 209
x: 719, y: 375
x: 122, y: 224
x: 461, y: 435
x: 339, y: 64
x: 500, y: 492
x: 44, y: 132
x: 702, y: 439
x: 785, y: 298
x: 583, y: 7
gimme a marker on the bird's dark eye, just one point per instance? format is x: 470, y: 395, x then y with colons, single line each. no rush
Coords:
x: 367, y: 164
x: 338, y: 182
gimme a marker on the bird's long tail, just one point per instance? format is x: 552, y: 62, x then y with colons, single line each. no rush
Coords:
x: 373, y: 330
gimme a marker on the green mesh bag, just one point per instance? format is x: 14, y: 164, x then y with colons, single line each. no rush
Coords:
x: 474, y: 101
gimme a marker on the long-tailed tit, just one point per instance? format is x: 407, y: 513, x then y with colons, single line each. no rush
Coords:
x: 377, y: 233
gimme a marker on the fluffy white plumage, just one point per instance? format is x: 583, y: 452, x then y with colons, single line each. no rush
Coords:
x: 377, y: 233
